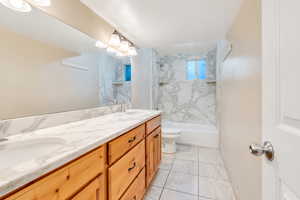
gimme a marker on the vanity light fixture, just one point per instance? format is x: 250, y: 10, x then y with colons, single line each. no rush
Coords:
x: 44, y: 3
x: 132, y: 51
x: 100, y: 45
x: 115, y: 39
x: 17, y: 5
x: 111, y: 50
x: 120, y: 54
x: 124, y: 46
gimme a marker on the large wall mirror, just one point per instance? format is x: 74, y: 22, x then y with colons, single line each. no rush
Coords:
x: 47, y: 66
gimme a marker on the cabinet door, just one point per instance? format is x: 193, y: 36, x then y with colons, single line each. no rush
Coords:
x: 93, y: 191
x: 125, y: 170
x: 153, y: 154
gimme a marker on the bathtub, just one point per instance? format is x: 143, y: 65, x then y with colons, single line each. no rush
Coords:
x: 195, y: 134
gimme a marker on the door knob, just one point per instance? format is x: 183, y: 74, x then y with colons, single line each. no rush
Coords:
x: 265, y: 149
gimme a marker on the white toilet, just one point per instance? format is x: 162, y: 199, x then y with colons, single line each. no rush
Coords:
x: 170, y: 136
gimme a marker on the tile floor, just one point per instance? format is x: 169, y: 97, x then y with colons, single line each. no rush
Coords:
x: 193, y: 173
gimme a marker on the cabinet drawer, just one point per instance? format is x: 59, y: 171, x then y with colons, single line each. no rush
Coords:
x: 124, y: 171
x: 93, y: 191
x: 65, y: 182
x: 137, y: 189
x: 27, y: 196
x: 121, y: 145
x: 84, y: 170
x: 153, y: 124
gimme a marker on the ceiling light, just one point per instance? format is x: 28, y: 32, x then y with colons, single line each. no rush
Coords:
x: 111, y: 50
x: 17, y: 5
x: 100, y: 45
x: 124, y: 46
x: 42, y: 2
x: 132, y: 51
x: 115, y: 39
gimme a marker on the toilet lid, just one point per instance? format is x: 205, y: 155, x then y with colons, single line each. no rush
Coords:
x: 171, y: 131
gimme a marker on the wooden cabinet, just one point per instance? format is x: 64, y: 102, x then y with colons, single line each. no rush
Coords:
x: 27, y: 196
x: 124, y: 171
x: 122, y: 144
x: 152, y: 124
x: 153, y: 153
x: 93, y: 191
x: 65, y: 182
x: 137, y: 189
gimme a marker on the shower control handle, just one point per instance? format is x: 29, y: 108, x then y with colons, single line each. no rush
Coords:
x: 266, y: 149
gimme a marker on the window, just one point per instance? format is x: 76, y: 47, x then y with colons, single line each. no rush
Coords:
x: 196, y: 69
x: 127, y: 72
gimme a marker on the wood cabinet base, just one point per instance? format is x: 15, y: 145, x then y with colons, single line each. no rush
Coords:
x: 122, y: 169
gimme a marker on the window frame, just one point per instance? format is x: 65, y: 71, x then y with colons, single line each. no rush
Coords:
x: 197, y: 75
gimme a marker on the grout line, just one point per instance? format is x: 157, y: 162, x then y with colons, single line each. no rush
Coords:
x: 163, y: 188
x: 182, y: 192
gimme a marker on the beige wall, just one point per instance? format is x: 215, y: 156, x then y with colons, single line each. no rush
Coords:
x: 240, y: 102
x: 33, y: 80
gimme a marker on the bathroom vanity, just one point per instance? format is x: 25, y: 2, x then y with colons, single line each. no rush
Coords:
x: 113, y: 157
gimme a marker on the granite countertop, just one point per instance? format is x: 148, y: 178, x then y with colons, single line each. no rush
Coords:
x: 65, y: 142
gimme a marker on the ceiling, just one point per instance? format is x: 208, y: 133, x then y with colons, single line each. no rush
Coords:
x: 169, y: 25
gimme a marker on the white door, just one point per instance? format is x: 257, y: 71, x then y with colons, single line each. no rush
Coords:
x: 281, y: 98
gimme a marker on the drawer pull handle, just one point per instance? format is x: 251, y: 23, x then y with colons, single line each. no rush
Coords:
x: 132, y: 139
x: 156, y: 136
x: 131, y: 168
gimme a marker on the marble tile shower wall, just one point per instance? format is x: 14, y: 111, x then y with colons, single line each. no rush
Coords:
x: 184, y: 100
x: 111, y: 70
x: 155, y: 79
x: 122, y: 93
x: 32, y: 123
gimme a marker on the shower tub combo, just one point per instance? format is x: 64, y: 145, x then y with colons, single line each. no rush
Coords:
x: 192, y: 134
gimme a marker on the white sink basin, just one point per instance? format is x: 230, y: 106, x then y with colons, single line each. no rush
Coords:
x: 14, y: 154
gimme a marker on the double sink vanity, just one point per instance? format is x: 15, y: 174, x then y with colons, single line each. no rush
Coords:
x: 112, y: 157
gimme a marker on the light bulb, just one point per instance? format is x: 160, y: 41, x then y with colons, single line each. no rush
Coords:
x: 115, y: 40
x: 120, y: 54
x: 17, y: 5
x: 43, y: 3
x: 100, y: 45
x: 132, y: 51
x: 110, y: 50
x: 124, y: 46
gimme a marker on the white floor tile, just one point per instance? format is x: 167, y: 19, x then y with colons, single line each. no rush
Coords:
x: 153, y: 193
x: 192, y: 173
x: 223, y: 191
x: 183, y: 183
x: 207, y: 170
x: 185, y: 166
x: 169, y: 156
x: 186, y: 152
x: 166, y: 163
x: 160, y: 178
x: 206, y: 188
x: 174, y: 195
x: 208, y: 155
x: 221, y: 173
